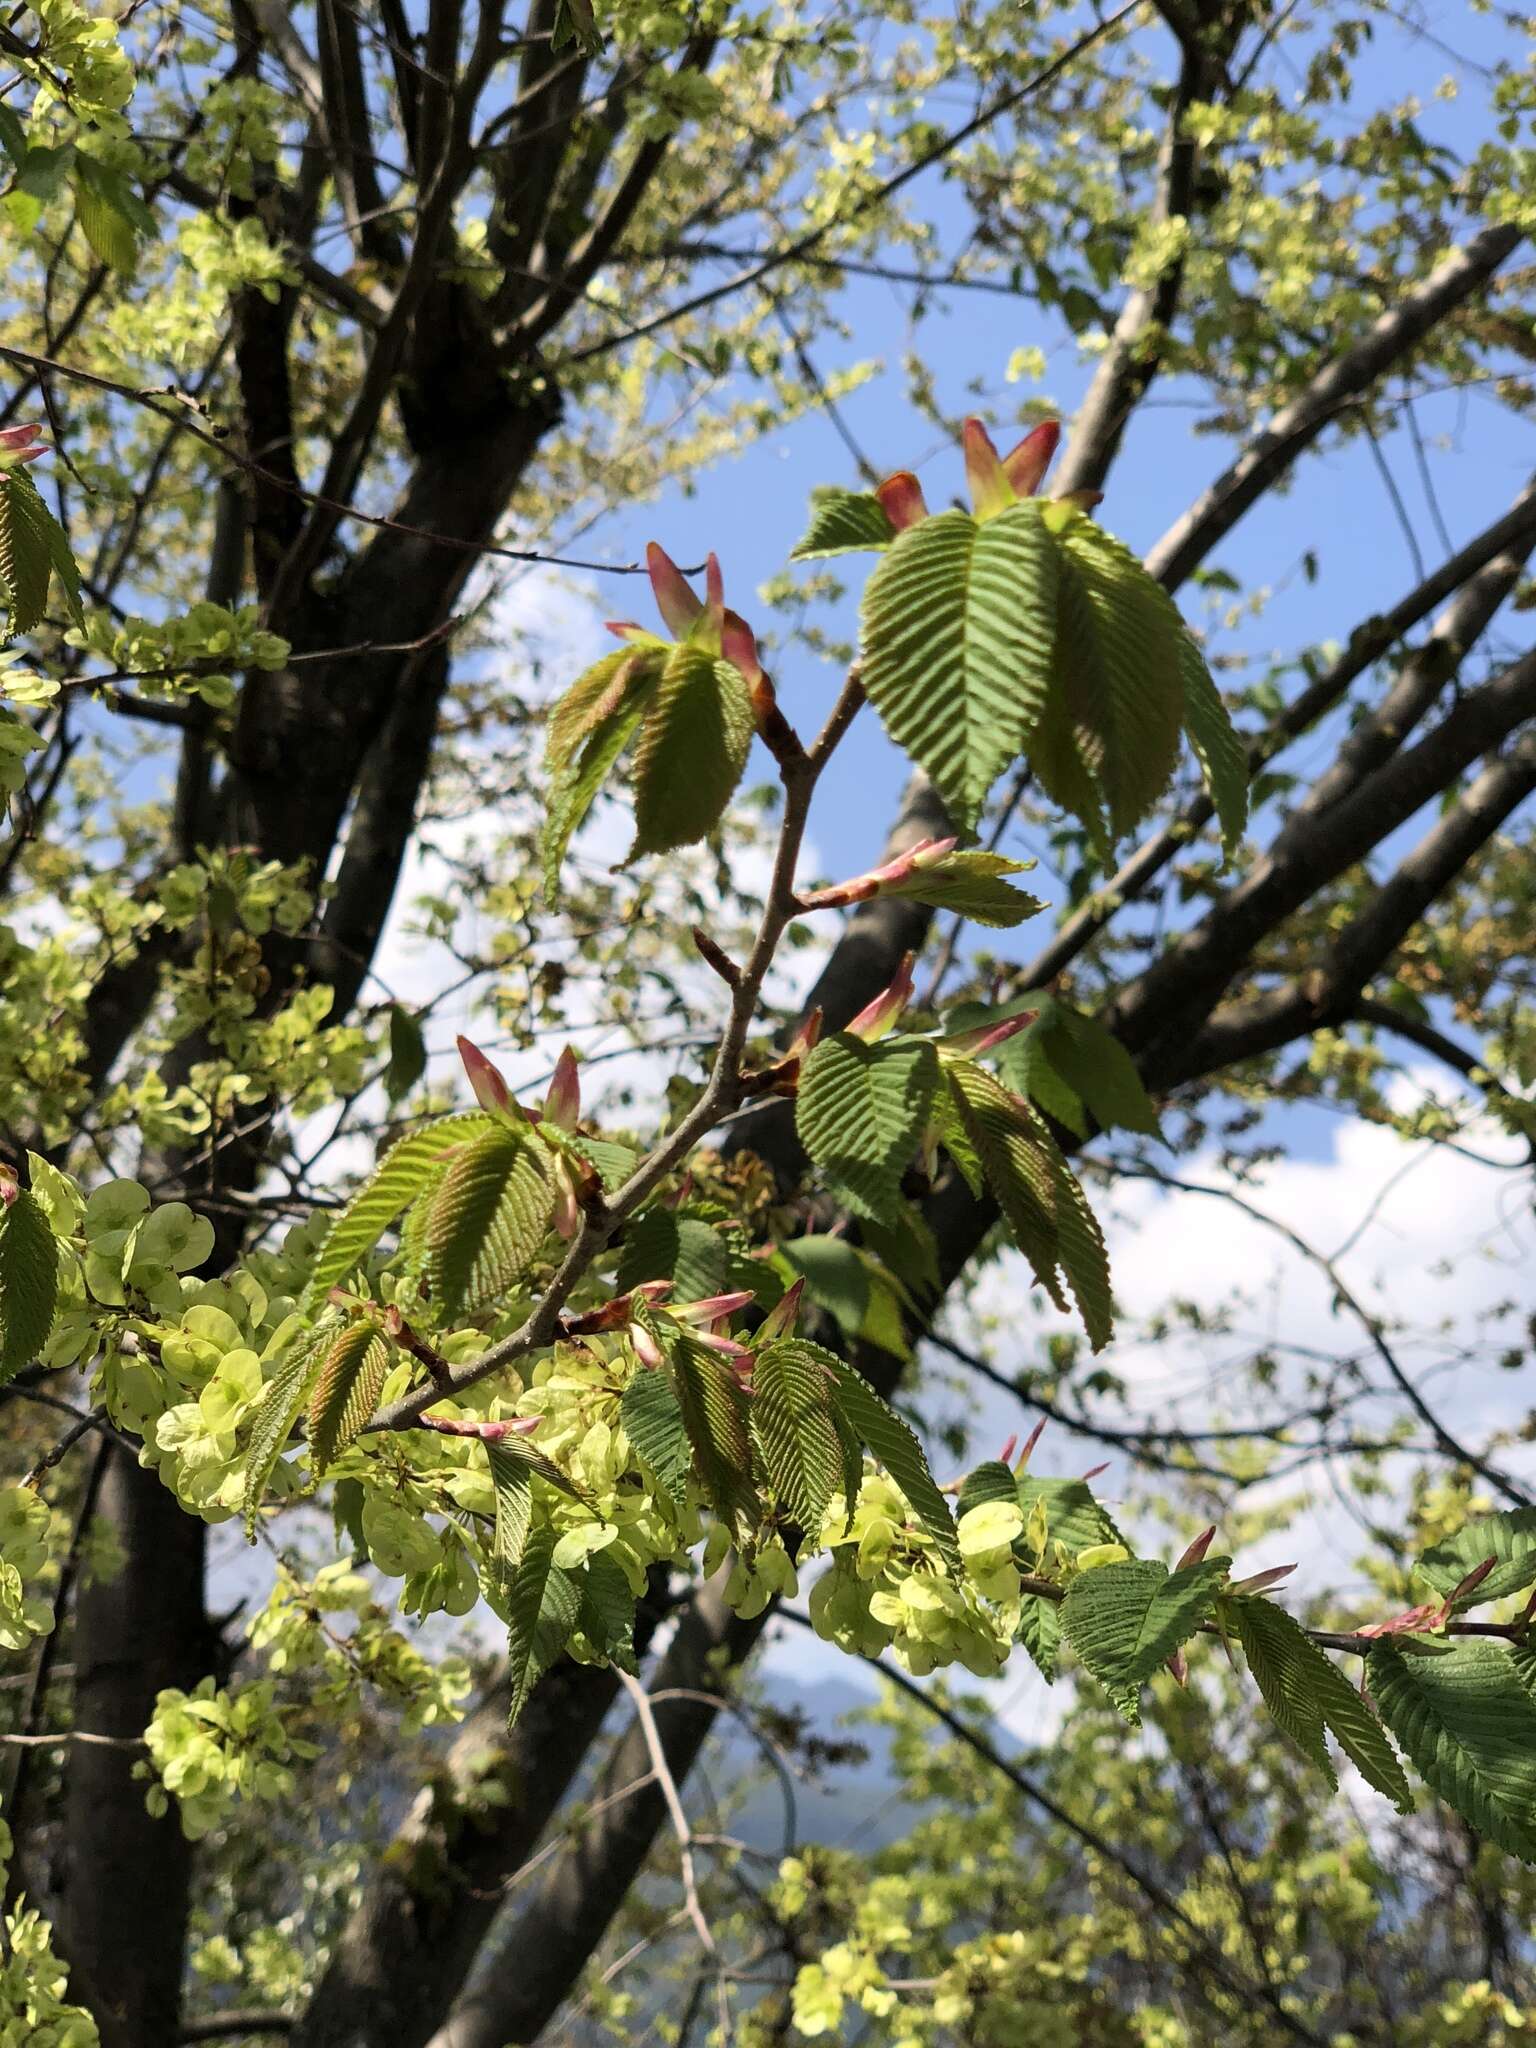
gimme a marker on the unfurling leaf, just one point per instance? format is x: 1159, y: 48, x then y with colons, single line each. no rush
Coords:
x: 694, y: 740
x: 346, y: 1392
x: 843, y: 523
x: 286, y: 1395
x: 589, y: 729
x: 714, y: 1410
x: 512, y: 1484
x: 406, y: 1170
x: 972, y: 884
x: 1509, y: 1539
x: 488, y: 1218
x: 860, y: 1111
x: 1046, y: 1210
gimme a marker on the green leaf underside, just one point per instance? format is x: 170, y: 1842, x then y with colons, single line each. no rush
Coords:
x: 406, y: 1169
x: 346, y: 1392
x: 1221, y: 753
x: 104, y: 216
x: 281, y: 1405
x: 1468, y: 1725
x: 1039, y: 1630
x: 887, y: 1438
x: 860, y: 1111
x: 843, y: 523
x: 1125, y: 1620
x: 694, y: 742
x: 1510, y: 1538
x: 1047, y: 1214
x: 661, y: 1245
x: 793, y: 1422
x: 607, y: 1615
x: 714, y: 1409
x: 29, y: 1282
x: 653, y: 1422
x: 972, y: 885
x: 543, y: 1609
x: 1309, y: 1697
x: 577, y: 777
x: 487, y: 1219
x: 956, y: 637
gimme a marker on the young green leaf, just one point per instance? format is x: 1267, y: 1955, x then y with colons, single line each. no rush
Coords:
x: 1307, y: 1694
x: 1125, y: 1620
x: 972, y: 885
x: 346, y: 1392
x: 836, y: 1278
x: 407, y: 1053
x: 1140, y: 639
x: 796, y: 1432
x: 607, y: 1617
x: 1098, y: 1069
x: 1221, y: 753
x: 543, y: 1611
x: 601, y: 731
x: 512, y: 1483
x: 886, y: 1437
x: 1073, y: 1518
x: 487, y: 1219
x: 287, y: 1393
x: 405, y: 1171
x: 1039, y: 1630
x: 843, y: 523
x: 26, y: 557
x: 653, y: 1422
x: 693, y: 746
x: 102, y: 209
x: 661, y: 1245
x: 29, y: 1282
x: 1509, y: 1537
x: 957, y: 628
x: 1468, y: 1726
x: 714, y: 1409
x: 860, y: 1111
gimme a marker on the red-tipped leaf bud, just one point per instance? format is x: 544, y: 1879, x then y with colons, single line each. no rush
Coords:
x: 1196, y: 1551
x: 491, y: 1090
x: 991, y: 491
x: 562, y: 1105
x: 738, y: 644
x: 878, y: 1017
x: 1029, y: 1444
x: 902, y: 497
x: 986, y: 1037
x: 1025, y: 466
x: 674, y: 600
x: 782, y: 1317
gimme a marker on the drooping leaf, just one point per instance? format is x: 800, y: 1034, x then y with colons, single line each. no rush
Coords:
x: 1468, y: 1726
x: 1039, y: 1630
x: 543, y: 1611
x: 694, y: 742
x: 405, y: 1170
x: 108, y: 212
x: 607, y: 1617
x: 843, y: 523
x: 1125, y: 1620
x: 29, y: 1282
x: 587, y: 737
x: 1047, y: 1213
x: 1307, y: 1694
x: 661, y: 1245
x: 29, y: 555
x: 1140, y: 638
x: 1509, y: 1537
x: 1221, y: 753
x: 653, y: 1422
x: 279, y: 1409
x: 956, y: 636
x: 346, y: 1391
x: 972, y: 884
x: 890, y: 1440
x: 487, y: 1219
x: 860, y: 1111
x: 714, y: 1408
x: 796, y: 1431
x: 1100, y: 1072
x: 512, y: 1482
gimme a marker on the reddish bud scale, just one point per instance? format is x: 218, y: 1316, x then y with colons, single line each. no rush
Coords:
x: 715, y: 957
x: 486, y: 1432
